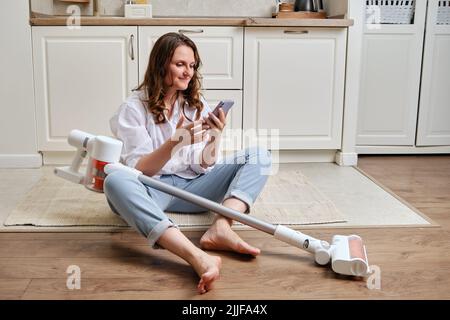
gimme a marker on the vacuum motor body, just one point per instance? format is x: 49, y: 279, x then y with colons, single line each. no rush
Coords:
x: 100, y: 151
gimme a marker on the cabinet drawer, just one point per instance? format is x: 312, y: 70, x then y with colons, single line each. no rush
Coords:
x: 220, y: 49
x: 294, y: 83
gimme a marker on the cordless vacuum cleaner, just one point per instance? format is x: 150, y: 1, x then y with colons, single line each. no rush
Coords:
x: 346, y: 253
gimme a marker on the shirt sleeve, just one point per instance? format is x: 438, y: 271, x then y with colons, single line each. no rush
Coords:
x: 129, y: 126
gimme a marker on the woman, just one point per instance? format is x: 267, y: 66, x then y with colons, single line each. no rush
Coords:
x: 169, y: 132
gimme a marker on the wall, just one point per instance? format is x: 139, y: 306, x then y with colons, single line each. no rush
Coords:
x: 355, y: 11
x: 42, y: 6
x: 60, y: 8
x: 194, y: 8
x: 202, y: 8
x: 18, y: 146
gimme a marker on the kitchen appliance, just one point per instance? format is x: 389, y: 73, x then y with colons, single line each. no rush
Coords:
x: 319, y: 6
x: 309, y: 5
x: 302, y: 9
x: 304, y: 5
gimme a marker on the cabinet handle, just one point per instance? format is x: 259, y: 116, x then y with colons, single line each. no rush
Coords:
x: 131, y: 46
x: 296, y: 31
x: 190, y: 31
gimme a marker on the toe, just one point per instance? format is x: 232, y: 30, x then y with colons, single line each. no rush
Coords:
x: 201, y: 286
x: 205, y: 283
x: 244, y: 247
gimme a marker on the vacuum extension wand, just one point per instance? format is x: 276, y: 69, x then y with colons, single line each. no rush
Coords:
x: 347, y: 253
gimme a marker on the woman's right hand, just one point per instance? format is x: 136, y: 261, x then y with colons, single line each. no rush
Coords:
x: 191, y: 133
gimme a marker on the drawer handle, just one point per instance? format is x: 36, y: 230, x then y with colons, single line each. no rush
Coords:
x: 131, y: 46
x: 296, y: 31
x: 190, y: 31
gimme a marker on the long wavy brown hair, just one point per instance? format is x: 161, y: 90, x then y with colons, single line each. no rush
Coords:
x: 158, y: 63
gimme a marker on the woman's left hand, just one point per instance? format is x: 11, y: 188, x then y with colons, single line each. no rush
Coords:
x: 216, y: 123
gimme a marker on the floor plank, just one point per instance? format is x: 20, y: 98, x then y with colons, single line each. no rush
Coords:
x: 13, y: 289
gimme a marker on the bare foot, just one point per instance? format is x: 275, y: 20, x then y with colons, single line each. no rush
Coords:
x: 207, y: 268
x: 221, y: 237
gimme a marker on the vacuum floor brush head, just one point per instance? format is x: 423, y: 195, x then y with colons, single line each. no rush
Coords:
x: 349, y: 256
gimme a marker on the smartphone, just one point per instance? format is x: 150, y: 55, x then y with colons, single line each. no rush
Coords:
x: 225, y: 105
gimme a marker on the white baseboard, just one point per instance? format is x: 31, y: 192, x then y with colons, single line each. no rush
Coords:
x: 402, y: 150
x: 296, y: 156
x: 282, y: 156
x: 21, y: 160
x: 346, y: 158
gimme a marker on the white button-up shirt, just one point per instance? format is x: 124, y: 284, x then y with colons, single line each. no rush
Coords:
x: 134, y: 125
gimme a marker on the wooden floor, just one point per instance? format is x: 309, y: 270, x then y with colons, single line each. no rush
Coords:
x: 414, y: 262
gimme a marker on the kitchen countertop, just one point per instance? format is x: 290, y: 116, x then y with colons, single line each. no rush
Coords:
x: 339, y: 22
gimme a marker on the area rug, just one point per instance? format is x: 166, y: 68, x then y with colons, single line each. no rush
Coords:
x: 288, y: 198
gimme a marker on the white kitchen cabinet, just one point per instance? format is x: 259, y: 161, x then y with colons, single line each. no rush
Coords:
x: 294, y: 82
x: 220, y: 50
x: 404, y: 98
x: 81, y: 78
x: 433, y: 127
x: 390, y: 82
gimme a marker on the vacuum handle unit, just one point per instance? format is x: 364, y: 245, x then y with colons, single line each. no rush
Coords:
x: 347, y: 253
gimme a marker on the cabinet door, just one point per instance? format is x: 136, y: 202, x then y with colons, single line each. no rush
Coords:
x: 434, y: 112
x: 81, y: 78
x: 220, y: 50
x: 232, y: 136
x: 390, y: 82
x: 294, y: 83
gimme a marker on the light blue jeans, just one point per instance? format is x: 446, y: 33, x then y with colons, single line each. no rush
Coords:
x: 241, y: 175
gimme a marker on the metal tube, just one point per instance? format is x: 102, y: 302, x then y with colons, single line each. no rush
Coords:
x: 208, y: 204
